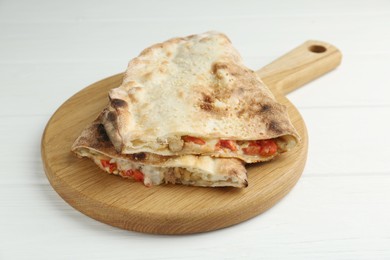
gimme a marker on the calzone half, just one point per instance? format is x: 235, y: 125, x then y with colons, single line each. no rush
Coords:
x: 152, y: 169
x: 194, y: 95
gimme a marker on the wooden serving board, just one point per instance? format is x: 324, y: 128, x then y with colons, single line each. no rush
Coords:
x: 175, y: 209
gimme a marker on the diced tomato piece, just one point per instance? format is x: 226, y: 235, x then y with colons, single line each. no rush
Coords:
x: 128, y: 173
x: 193, y: 139
x: 226, y: 144
x: 263, y: 148
x: 268, y: 147
x: 111, y: 166
x: 137, y: 175
x: 252, y: 149
x: 105, y: 163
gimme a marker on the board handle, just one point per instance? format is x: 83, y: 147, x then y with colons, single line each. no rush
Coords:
x: 299, y: 66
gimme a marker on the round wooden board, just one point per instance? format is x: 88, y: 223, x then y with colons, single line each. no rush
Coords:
x: 166, y: 209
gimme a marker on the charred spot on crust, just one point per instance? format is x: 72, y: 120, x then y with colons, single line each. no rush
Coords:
x: 217, y: 66
x: 206, y: 103
x: 207, y: 98
x: 102, y: 134
x: 139, y: 156
x: 275, y: 127
x: 265, y: 108
x: 111, y: 116
x: 206, y: 106
x: 118, y: 103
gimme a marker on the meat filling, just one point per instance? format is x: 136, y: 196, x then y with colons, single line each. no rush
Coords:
x: 154, y: 175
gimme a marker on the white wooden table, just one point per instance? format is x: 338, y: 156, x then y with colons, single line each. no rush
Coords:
x: 340, y: 208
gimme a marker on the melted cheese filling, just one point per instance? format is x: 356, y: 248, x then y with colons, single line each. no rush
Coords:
x: 176, y: 145
x: 153, y: 175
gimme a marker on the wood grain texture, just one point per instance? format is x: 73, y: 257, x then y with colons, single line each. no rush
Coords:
x: 299, y: 66
x: 173, y: 209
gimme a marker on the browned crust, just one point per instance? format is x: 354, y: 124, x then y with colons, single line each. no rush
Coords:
x: 95, y: 137
x: 118, y: 103
x: 233, y: 168
x: 109, y: 120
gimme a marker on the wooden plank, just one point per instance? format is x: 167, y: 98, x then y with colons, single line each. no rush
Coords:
x: 134, y: 207
x: 145, y: 210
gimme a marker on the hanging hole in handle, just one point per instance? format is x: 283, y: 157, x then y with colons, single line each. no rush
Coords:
x: 317, y: 48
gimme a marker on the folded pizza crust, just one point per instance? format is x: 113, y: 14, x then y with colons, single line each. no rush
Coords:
x: 195, y: 86
x: 192, y: 170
